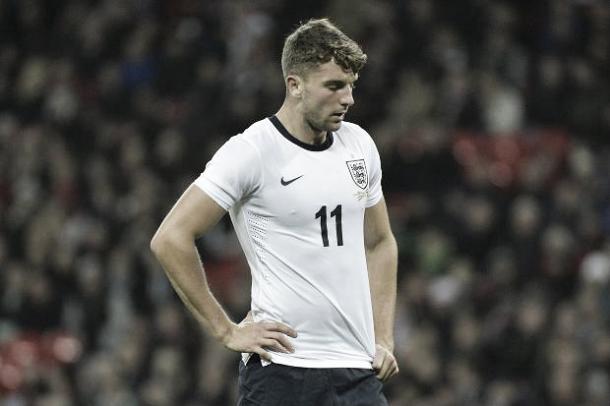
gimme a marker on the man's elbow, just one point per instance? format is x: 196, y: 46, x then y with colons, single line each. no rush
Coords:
x: 168, y: 239
x: 385, y: 240
x: 159, y: 242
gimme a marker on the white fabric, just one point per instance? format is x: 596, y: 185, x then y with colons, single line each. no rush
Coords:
x: 320, y: 291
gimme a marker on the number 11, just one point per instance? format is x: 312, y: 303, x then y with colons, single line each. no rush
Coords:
x: 321, y: 214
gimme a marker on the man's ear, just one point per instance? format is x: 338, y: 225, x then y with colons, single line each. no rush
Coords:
x: 294, y: 85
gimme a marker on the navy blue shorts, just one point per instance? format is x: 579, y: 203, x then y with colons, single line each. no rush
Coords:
x: 281, y: 385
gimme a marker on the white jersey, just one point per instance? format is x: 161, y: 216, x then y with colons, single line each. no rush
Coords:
x: 298, y: 212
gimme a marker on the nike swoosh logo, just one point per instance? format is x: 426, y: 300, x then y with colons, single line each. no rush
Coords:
x: 288, y: 182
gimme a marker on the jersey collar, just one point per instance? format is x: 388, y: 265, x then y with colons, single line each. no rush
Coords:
x: 318, y: 147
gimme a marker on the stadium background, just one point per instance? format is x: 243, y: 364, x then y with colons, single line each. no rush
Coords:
x: 493, y: 122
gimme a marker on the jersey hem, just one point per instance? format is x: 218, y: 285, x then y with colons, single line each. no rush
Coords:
x: 312, y: 363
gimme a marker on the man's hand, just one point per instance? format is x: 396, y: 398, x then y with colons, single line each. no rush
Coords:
x: 257, y: 337
x: 384, y: 363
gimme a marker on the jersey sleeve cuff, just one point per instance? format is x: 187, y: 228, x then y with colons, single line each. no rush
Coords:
x: 373, y: 200
x: 217, y: 194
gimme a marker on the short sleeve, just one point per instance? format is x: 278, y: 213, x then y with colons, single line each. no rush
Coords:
x: 375, y: 191
x: 233, y: 172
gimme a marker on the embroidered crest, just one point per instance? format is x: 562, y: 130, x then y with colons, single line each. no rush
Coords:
x: 357, y: 170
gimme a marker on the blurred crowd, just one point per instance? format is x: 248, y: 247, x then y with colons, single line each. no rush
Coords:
x: 493, y: 122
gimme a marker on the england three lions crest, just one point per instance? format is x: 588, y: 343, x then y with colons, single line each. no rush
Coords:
x: 357, y: 169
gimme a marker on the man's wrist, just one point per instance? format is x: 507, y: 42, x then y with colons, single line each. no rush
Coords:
x: 387, y: 344
x: 223, y: 334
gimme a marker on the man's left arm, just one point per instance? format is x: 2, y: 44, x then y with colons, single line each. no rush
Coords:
x: 381, y: 258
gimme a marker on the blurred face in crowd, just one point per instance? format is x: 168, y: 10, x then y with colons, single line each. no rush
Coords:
x: 325, y: 95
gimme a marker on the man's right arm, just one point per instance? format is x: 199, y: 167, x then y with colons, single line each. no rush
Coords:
x: 174, y: 247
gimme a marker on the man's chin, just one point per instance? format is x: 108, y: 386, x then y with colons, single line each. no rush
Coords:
x: 334, y: 125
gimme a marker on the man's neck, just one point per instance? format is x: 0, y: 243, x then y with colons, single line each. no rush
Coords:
x: 297, y: 126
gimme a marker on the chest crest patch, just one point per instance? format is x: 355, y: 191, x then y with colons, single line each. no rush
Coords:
x: 358, y: 172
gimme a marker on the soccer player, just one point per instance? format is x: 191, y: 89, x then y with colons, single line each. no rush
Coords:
x: 303, y: 189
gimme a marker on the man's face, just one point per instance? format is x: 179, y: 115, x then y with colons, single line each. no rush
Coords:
x: 327, y: 95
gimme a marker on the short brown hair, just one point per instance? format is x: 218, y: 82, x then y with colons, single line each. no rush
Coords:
x: 317, y: 42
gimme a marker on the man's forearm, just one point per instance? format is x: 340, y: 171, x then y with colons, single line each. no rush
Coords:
x: 382, y: 263
x: 181, y: 263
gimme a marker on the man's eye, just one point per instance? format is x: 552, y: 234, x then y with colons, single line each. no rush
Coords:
x: 338, y: 86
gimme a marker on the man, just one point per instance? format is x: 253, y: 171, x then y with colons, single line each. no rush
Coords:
x: 303, y: 189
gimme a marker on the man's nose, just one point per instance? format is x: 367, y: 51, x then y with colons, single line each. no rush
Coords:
x: 347, y: 98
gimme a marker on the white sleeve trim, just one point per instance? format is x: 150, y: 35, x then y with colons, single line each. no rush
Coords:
x: 215, y: 192
x: 377, y: 199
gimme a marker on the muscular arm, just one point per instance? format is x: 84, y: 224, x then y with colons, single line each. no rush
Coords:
x: 381, y: 257
x: 174, y: 246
